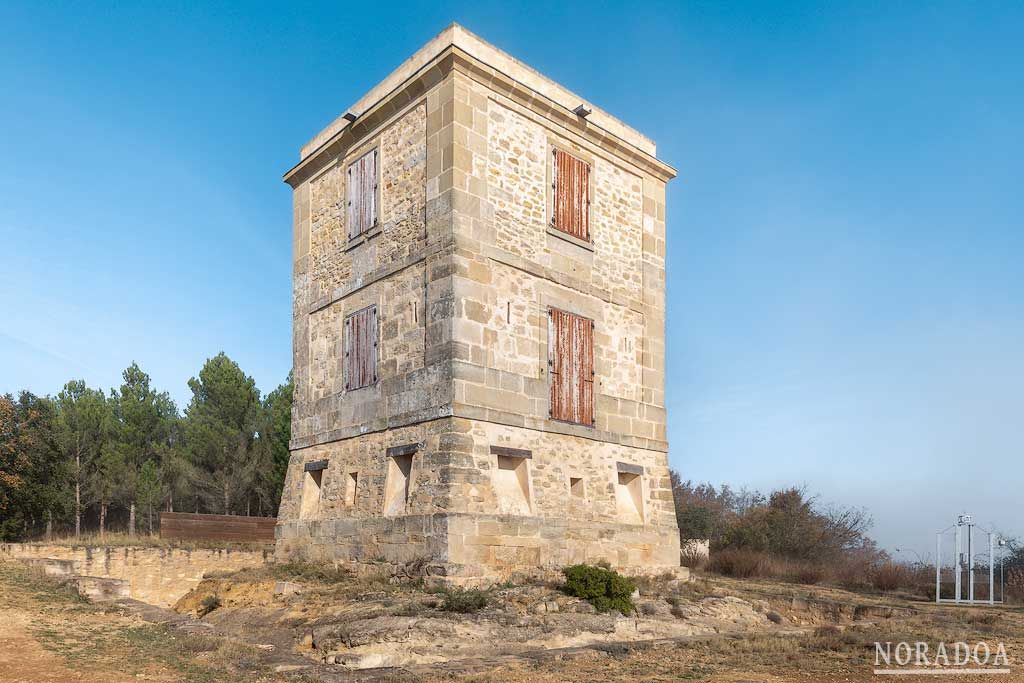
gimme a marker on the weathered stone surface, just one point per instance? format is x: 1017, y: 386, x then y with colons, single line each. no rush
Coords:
x: 158, y: 576
x: 463, y: 268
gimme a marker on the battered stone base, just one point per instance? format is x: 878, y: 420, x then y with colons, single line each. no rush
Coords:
x: 472, y: 549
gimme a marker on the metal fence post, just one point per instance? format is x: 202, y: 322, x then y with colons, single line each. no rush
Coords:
x: 991, y: 570
x: 958, y: 563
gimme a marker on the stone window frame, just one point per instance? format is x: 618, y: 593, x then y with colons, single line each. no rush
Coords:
x: 637, y: 470
x: 525, y: 456
x: 353, y: 476
x: 585, y: 156
x: 314, y: 471
x: 345, y: 161
x: 585, y: 498
x: 409, y: 451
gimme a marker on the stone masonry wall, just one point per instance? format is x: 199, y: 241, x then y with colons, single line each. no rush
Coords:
x: 402, y: 155
x: 519, y: 188
x: 452, y: 512
x: 510, y: 267
x: 504, y: 313
x: 453, y: 469
x: 331, y: 266
x: 400, y: 307
x: 365, y: 455
x: 399, y: 266
x: 158, y: 576
x: 403, y: 187
x: 503, y: 546
x: 464, y: 271
x: 555, y: 458
x: 420, y: 541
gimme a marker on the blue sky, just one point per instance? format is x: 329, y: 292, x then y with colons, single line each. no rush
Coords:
x: 846, y: 300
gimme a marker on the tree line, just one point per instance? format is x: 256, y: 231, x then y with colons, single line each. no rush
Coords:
x: 787, y: 523
x: 85, y: 453
x: 790, y: 532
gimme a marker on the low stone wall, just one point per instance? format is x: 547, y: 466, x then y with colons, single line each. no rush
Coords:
x: 158, y: 576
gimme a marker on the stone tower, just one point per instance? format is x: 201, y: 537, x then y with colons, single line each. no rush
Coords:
x: 479, y: 328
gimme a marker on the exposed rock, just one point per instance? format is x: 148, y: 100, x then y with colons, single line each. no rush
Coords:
x: 649, y: 607
x: 285, y: 588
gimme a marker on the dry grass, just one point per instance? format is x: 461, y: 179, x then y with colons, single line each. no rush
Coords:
x: 741, y: 564
x: 96, y: 640
x: 889, y: 576
x: 914, y: 581
x: 693, y: 559
x: 300, y: 572
x: 654, y: 585
x: 831, y: 652
x: 1015, y: 585
x: 464, y: 601
x: 327, y: 580
x: 810, y: 574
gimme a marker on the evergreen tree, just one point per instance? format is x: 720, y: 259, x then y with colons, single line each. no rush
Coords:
x: 178, y: 476
x: 47, y: 483
x: 275, y: 430
x: 81, y: 425
x: 141, y: 434
x: 148, y: 490
x: 220, y: 429
x: 106, y: 481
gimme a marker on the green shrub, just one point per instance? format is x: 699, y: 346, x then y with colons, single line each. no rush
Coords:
x: 464, y: 601
x: 605, y: 589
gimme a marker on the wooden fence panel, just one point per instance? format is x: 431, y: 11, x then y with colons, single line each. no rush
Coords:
x: 186, y: 526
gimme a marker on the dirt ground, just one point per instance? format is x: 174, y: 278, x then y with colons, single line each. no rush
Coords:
x: 48, y: 634
x: 713, y: 629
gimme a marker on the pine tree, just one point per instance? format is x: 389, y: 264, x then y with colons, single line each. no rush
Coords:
x: 143, y: 421
x: 220, y: 429
x: 81, y: 425
x: 275, y: 429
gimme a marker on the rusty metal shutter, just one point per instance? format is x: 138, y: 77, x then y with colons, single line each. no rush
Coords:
x: 571, y: 187
x: 571, y: 366
x: 362, y: 195
x: 361, y: 348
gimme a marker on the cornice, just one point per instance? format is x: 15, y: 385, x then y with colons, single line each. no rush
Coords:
x: 453, y: 58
